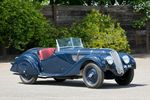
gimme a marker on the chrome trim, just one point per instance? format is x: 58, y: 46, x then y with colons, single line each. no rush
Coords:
x: 91, y: 51
x: 58, y: 48
x: 77, y: 57
x: 117, y: 62
x: 78, y: 54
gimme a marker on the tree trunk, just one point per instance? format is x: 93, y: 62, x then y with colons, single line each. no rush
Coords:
x: 53, y: 11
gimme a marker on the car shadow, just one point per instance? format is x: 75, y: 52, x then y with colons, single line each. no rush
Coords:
x: 79, y: 83
x: 69, y: 83
x: 116, y: 86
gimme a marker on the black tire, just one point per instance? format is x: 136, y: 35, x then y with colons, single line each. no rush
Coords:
x: 26, y: 79
x: 126, y: 78
x: 93, y: 76
x: 59, y: 80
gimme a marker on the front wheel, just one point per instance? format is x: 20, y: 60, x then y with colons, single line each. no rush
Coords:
x: 27, y: 79
x: 93, y: 76
x: 126, y: 78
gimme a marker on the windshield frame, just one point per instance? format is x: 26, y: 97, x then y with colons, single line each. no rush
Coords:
x: 71, y: 44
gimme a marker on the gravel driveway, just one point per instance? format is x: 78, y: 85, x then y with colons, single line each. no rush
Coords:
x: 47, y: 89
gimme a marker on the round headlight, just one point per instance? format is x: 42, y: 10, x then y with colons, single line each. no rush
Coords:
x: 109, y: 60
x: 126, y: 59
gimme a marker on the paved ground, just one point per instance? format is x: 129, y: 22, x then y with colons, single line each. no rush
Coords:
x: 12, y: 89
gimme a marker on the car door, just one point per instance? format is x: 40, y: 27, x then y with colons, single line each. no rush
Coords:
x: 56, y: 64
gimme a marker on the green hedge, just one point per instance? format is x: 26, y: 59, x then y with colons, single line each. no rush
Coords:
x: 22, y: 24
x: 100, y: 31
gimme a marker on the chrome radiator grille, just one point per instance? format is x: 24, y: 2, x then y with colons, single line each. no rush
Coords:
x: 117, y: 62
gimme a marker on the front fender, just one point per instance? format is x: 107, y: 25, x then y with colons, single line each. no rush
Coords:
x: 95, y: 59
x: 81, y: 63
x: 132, y: 61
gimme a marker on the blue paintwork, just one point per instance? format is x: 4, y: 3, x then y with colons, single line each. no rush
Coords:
x: 61, y: 64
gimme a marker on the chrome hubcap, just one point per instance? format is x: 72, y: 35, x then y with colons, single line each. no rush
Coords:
x: 91, y: 75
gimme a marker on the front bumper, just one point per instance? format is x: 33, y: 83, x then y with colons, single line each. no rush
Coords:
x: 126, y: 67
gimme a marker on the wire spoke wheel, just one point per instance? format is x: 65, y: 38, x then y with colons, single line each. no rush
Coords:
x: 28, y: 79
x: 93, y: 76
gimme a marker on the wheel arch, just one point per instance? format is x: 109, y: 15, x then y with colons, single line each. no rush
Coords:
x: 27, y: 64
x: 85, y: 63
x: 94, y: 60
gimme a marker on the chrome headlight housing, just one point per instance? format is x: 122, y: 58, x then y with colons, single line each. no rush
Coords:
x: 109, y: 60
x: 126, y: 59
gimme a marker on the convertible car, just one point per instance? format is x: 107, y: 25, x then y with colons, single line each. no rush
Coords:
x: 70, y: 60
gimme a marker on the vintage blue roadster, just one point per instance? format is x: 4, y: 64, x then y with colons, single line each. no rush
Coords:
x: 71, y: 60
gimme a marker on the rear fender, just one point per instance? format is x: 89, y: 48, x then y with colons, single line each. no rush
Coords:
x: 26, y: 64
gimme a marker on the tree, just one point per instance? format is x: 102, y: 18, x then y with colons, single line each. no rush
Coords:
x: 89, y: 2
x: 100, y: 31
x: 21, y: 23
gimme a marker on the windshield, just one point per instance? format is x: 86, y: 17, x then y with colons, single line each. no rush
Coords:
x: 69, y: 43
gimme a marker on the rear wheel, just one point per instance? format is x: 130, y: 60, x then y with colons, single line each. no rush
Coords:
x: 126, y: 78
x: 59, y: 80
x: 93, y: 76
x: 27, y: 79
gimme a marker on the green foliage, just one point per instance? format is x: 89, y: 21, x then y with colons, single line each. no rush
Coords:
x: 88, y: 2
x: 22, y: 24
x: 135, y: 2
x: 40, y: 2
x: 100, y: 31
x: 144, y: 9
x: 56, y: 33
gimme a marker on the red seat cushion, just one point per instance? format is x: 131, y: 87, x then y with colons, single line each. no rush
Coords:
x: 46, y: 52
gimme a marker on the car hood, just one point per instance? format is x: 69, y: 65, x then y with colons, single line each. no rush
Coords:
x: 85, y: 51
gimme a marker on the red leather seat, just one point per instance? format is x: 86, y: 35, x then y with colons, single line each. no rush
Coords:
x: 46, y: 52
